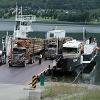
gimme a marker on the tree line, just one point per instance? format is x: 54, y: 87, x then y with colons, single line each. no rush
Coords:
x: 62, y: 10
x: 53, y: 4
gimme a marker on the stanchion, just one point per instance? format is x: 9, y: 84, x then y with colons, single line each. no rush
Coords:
x: 34, y: 81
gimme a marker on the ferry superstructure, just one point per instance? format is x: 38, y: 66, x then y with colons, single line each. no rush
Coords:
x: 21, y: 28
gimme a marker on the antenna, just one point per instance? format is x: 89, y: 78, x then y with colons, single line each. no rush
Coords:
x: 21, y: 11
x: 7, y: 33
x: 16, y: 10
x: 83, y: 34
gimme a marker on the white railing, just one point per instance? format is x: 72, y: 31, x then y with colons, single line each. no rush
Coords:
x: 25, y: 18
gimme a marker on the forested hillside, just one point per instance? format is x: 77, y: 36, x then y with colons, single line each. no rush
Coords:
x: 54, y: 4
x: 62, y: 10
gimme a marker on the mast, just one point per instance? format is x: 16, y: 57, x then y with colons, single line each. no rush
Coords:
x: 83, y: 34
x: 21, y: 11
x: 16, y: 10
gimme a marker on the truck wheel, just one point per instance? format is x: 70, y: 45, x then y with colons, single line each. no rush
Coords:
x: 45, y: 58
x: 24, y: 64
x: 10, y: 65
x: 31, y: 61
x: 4, y: 62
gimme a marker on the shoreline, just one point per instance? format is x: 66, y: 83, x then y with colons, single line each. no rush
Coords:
x: 56, y: 22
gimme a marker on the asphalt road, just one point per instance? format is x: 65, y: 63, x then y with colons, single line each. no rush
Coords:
x: 21, y: 75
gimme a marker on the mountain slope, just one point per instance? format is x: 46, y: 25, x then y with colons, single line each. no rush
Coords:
x: 53, y: 4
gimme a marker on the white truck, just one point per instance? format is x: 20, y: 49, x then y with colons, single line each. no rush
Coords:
x: 54, y: 42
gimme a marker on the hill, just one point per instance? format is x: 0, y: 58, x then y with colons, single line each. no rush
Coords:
x: 61, y: 10
x: 53, y: 4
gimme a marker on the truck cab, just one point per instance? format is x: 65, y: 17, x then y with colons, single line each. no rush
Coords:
x: 51, y: 50
x: 52, y: 39
x: 71, y: 56
x: 18, y: 56
x: 71, y: 49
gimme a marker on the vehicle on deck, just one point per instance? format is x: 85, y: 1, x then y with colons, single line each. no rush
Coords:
x: 21, y: 52
x: 54, y: 42
x: 19, y: 48
x: 76, y: 55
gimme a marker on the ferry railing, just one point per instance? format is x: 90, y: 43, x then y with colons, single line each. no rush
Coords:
x: 26, y: 18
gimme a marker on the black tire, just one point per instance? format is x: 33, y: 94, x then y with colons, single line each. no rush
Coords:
x: 24, y: 64
x: 10, y: 65
x: 4, y: 62
x: 45, y: 58
x: 31, y: 61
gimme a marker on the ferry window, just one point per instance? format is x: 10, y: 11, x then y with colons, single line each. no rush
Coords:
x: 24, y: 23
x: 51, y: 35
x: 69, y: 50
x: 87, y: 57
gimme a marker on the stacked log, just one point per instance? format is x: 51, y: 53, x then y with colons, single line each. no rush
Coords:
x: 38, y: 45
x: 24, y: 42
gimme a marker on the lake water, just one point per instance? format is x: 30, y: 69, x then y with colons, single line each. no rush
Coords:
x: 72, y: 30
x: 69, y: 28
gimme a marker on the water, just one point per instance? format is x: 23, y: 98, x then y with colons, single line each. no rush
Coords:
x: 6, y: 26
x: 74, y: 31
x: 44, y: 27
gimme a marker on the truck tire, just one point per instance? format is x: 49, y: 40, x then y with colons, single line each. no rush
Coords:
x: 10, y: 65
x: 24, y: 64
x: 45, y: 58
x: 4, y: 62
x: 31, y: 61
x: 4, y: 59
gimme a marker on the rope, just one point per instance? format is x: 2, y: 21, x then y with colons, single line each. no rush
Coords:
x: 77, y: 76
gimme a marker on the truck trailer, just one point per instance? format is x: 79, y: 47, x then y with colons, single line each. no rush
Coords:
x: 23, y: 50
